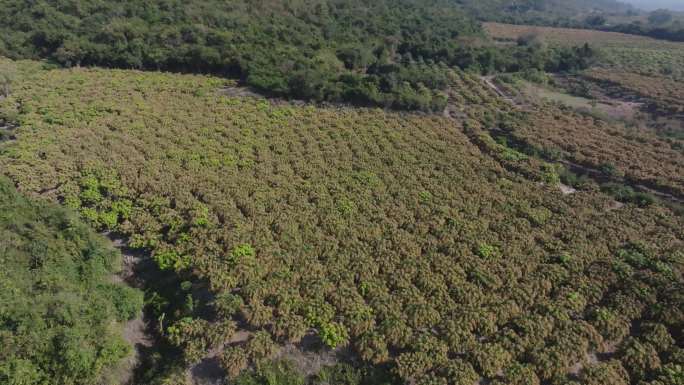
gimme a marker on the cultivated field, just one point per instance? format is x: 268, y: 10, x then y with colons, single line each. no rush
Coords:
x: 664, y: 95
x: 640, y: 74
x: 638, y: 155
x: 630, y: 53
x: 392, y: 234
x: 572, y: 36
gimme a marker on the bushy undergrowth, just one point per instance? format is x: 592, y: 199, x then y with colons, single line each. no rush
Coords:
x: 283, y: 372
x: 400, y: 237
x: 60, y: 313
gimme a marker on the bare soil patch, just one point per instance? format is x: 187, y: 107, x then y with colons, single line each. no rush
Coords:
x: 137, y: 332
x: 566, y: 190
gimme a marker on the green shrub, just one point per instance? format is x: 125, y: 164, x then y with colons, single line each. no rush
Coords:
x: 167, y: 260
x: 425, y: 196
x: 123, y: 208
x: 485, y: 250
x: 58, y: 309
x: 127, y: 301
x: 109, y: 219
x: 345, y: 207
x: 333, y: 334
x: 201, y: 216
x: 242, y: 251
x: 550, y: 174
x: 227, y: 304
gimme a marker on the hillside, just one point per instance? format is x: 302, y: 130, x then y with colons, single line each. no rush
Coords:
x: 339, y: 192
x: 542, y: 12
x: 415, y: 243
x: 325, y: 50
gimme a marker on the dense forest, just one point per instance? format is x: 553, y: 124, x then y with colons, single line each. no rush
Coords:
x: 388, y: 53
x: 541, y: 12
x: 60, y: 312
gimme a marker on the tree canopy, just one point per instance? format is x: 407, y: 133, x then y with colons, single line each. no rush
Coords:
x: 389, y: 53
x: 58, y: 305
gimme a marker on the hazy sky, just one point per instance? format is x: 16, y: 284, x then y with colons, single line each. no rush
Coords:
x: 677, y: 5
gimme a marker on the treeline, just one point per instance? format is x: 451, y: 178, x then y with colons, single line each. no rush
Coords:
x: 673, y: 32
x: 557, y: 13
x: 58, y: 306
x: 660, y: 24
x: 388, y: 53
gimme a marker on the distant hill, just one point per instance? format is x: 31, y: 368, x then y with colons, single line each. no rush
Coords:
x: 651, y: 5
x: 539, y: 10
x: 606, y: 15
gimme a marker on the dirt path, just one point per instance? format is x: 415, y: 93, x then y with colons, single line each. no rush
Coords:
x: 488, y: 80
x: 137, y: 332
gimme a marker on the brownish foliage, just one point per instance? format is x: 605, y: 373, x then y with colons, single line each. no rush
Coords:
x: 394, y: 233
x: 639, y: 156
x: 665, y: 95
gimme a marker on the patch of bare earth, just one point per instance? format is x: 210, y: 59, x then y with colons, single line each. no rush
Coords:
x: 566, y: 190
x: 309, y: 357
x: 136, y: 331
x: 592, y: 358
x: 489, y: 81
x: 7, y: 133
